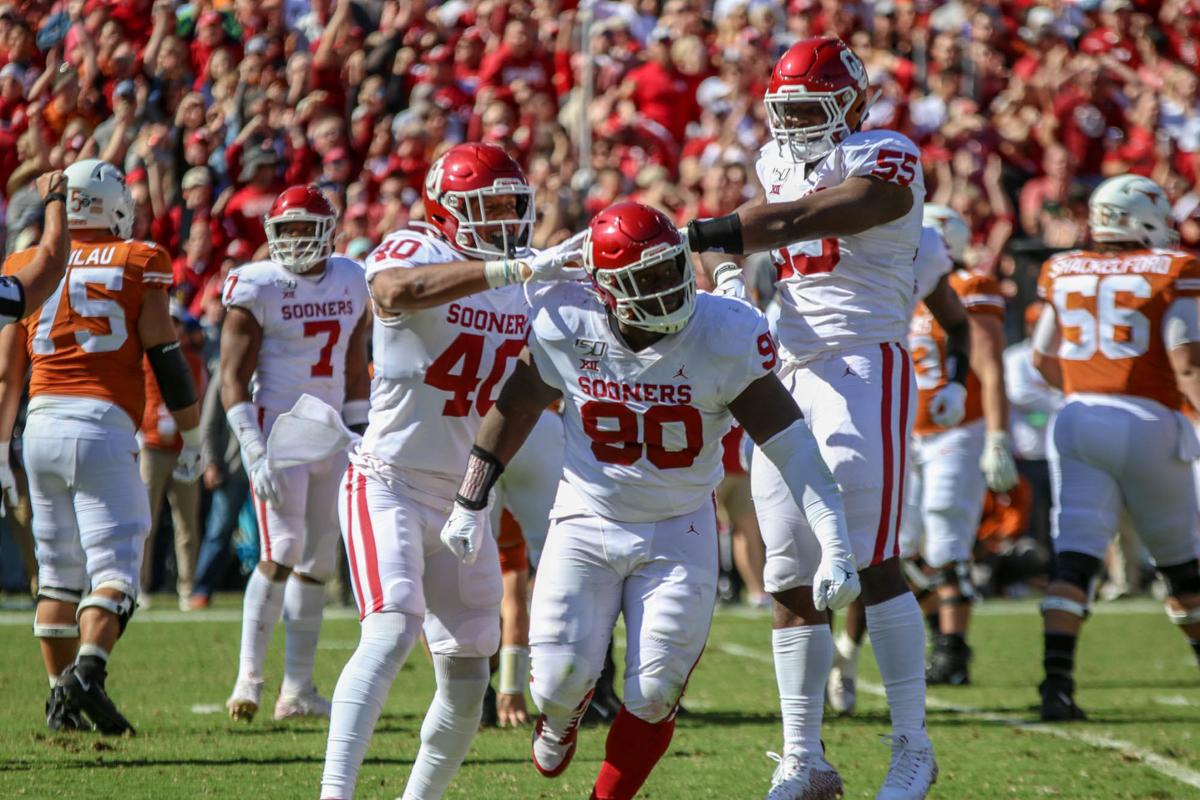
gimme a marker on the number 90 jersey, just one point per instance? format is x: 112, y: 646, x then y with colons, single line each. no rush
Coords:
x: 306, y: 327
x: 438, y: 370
x: 644, y: 430
x: 1110, y: 309
x: 853, y: 290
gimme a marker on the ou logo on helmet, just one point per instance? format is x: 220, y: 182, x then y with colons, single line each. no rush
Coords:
x: 854, y: 66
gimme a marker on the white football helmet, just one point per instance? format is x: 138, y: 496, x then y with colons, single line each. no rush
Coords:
x: 97, y: 197
x: 952, y: 226
x: 1130, y: 208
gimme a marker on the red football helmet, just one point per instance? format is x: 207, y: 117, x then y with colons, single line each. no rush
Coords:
x: 816, y: 98
x: 623, y: 253
x: 456, y: 190
x: 300, y: 252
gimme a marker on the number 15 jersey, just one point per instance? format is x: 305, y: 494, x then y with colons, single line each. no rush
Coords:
x: 848, y: 291
x: 438, y: 370
x: 644, y: 429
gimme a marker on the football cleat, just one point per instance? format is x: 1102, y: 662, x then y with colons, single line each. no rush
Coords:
x: 551, y: 756
x: 89, y: 697
x: 243, y: 703
x: 948, y: 662
x: 1058, y: 700
x: 803, y: 776
x: 308, y: 703
x: 841, y: 690
x: 912, y: 770
x: 62, y: 714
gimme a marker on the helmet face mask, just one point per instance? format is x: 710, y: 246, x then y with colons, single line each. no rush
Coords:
x: 639, y: 267
x: 98, y: 198
x: 480, y: 202
x: 300, y: 229
x: 816, y: 98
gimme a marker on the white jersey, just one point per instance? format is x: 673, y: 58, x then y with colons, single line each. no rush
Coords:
x: 438, y: 370
x: 853, y: 290
x: 933, y: 262
x: 1032, y: 401
x: 644, y: 430
x: 306, y: 327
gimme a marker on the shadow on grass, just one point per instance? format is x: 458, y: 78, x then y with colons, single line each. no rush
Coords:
x: 135, y: 763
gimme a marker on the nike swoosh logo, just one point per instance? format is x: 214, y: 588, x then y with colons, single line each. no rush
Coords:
x: 87, y: 687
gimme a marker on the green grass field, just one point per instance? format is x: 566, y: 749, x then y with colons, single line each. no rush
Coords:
x: 172, y: 673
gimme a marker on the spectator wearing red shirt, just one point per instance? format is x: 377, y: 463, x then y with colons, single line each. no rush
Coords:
x: 1138, y: 152
x: 518, y: 58
x: 210, y: 36
x: 244, y: 212
x: 1085, y: 112
x: 659, y: 89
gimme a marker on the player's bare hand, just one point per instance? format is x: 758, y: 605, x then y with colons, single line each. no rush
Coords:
x: 510, y: 708
x: 50, y: 182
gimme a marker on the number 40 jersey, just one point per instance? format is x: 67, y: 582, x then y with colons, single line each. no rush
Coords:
x: 438, y: 370
x: 838, y: 293
x: 306, y: 327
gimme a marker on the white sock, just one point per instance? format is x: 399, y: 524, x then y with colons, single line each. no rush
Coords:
x: 450, y: 724
x: 261, y: 607
x: 897, y: 632
x: 303, y: 607
x: 847, y: 652
x: 803, y: 657
x: 383, y: 647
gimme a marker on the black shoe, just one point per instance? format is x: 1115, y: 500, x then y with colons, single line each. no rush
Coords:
x: 491, y: 717
x: 90, y: 697
x: 948, y: 662
x: 62, y: 714
x: 1058, y: 700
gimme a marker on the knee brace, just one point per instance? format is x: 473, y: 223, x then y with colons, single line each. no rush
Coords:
x: 1079, y: 570
x: 122, y: 609
x: 1183, y: 579
x: 56, y: 631
x: 958, y: 575
x: 921, y: 583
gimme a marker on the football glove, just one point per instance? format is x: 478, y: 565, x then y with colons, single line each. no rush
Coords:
x: 268, y: 485
x: 727, y: 278
x: 949, y: 405
x: 835, y: 584
x: 187, y: 465
x: 464, y: 531
x: 997, y: 463
x: 563, y: 262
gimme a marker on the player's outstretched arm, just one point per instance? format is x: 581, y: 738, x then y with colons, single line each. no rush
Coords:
x: 949, y: 404
x: 859, y: 204
x: 505, y: 428
x: 771, y: 418
x: 41, y: 276
x: 175, y: 381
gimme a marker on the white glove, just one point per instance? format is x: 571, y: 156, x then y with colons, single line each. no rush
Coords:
x: 835, y: 584
x: 727, y: 278
x: 268, y: 485
x: 187, y: 465
x: 563, y: 262
x: 997, y: 463
x: 8, y: 481
x: 948, y: 405
x: 464, y: 531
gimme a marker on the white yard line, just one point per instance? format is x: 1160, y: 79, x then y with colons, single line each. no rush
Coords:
x: 1158, y: 763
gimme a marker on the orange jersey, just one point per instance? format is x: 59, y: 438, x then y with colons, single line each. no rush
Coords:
x: 83, y: 341
x: 980, y: 294
x: 1110, y: 309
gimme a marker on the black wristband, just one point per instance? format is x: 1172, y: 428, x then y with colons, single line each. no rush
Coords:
x: 483, y: 470
x: 53, y: 196
x: 718, y: 234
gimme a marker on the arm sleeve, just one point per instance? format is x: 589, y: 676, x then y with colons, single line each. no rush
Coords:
x: 1046, y: 335
x: 1181, y: 323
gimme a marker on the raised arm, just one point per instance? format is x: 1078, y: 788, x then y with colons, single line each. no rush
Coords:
x: 859, y: 204
x: 42, y: 275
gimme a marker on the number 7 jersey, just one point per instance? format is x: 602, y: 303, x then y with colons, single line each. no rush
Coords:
x: 438, y: 370
x: 848, y: 291
x: 306, y: 327
x: 1110, y: 309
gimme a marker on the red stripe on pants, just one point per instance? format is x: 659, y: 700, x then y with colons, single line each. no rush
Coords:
x: 374, y: 586
x: 264, y: 534
x: 362, y: 610
x: 885, y: 430
x: 901, y: 430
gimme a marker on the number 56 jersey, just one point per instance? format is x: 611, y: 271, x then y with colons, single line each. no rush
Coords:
x: 438, y: 370
x: 644, y: 429
x: 306, y: 327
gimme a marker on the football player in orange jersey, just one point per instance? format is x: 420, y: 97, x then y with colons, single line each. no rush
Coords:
x: 91, y: 512
x: 955, y: 462
x: 1121, y: 335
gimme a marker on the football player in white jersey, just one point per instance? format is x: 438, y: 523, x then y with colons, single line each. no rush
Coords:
x: 842, y: 216
x: 450, y: 320
x: 296, y: 323
x: 652, y: 377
